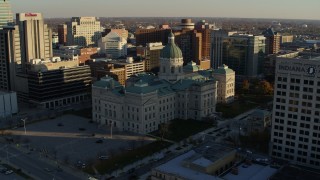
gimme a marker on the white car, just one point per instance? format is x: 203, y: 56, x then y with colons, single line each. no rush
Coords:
x: 8, y: 172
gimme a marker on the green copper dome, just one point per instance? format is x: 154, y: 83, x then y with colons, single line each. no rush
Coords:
x: 171, y: 50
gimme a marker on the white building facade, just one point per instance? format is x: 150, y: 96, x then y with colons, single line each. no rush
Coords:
x: 296, y: 112
x: 83, y: 31
x: 152, y: 100
x: 226, y: 84
x: 113, y: 45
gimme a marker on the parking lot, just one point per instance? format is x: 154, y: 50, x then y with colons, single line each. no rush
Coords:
x: 71, y: 139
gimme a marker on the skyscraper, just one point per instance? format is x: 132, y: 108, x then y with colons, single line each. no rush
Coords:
x: 62, y: 34
x: 295, y: 134
x: 217, y: 37
x: 272, y: 41
x: 5, y: 13
x: 83, y: 31
x: 10, y: 57
x: 244, y: 54
x: 36, y: 37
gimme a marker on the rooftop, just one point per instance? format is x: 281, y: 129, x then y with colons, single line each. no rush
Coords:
x: 174, y: 167
x: 213, y: 152
x: 252, y: 172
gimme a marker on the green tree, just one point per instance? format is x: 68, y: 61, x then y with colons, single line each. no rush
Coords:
x: 164, y: 129
x: 245, y: 86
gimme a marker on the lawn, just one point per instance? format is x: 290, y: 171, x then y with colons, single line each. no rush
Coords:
x: 122, y: 159
x: 243, y: 104
x: 182, y: 129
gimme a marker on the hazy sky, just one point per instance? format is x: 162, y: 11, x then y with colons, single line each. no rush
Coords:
x: 287, y: 9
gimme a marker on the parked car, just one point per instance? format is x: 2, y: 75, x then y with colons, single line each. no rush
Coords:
x: 99, y: 141
x: 103, y: 157
x: 8, y: 172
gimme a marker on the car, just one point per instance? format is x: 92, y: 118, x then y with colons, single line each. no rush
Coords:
x: 8, y: 172
x: 99, y: 141
x: 103, y: 157
x: 83, y: 166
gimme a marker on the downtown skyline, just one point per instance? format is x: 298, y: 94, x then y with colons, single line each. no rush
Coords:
x: 286, y: 9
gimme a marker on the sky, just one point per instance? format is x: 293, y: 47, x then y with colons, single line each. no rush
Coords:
x: 277, y: 9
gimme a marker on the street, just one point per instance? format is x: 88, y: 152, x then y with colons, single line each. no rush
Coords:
x: 32, y: 165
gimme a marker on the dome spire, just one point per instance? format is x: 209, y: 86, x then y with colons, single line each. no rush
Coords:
x: 171, y: 38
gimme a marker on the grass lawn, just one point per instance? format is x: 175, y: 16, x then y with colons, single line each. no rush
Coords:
x: 243, y: 104
x: 181, y: 129
x: 123, y: 159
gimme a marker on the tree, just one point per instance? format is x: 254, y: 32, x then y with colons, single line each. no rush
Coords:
x: 164, y: 129
x: 245, y: 86
x: 265, y: 88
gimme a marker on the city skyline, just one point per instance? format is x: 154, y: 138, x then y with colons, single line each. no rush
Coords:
x: 205, y: 8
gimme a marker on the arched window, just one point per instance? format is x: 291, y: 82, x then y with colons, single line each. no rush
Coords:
x: 172, y: 70
x: 180, y: 69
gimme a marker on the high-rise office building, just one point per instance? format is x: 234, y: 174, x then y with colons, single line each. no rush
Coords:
x: 217, y: 37
x: 295, y: 135
x: 144, y: 36
x: 62, y: 34
x: 194, y: 41
x: 35, y: 36
x: 244, y: 54
x: 6, y: 17
x: 272, y: 41
x: 10, y: 57
x: 83, y: 31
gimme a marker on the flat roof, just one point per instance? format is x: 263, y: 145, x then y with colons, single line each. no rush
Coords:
x: 175, y: 167
x: 252, y: 172
x: 294, y: 172
x: 213, y: 151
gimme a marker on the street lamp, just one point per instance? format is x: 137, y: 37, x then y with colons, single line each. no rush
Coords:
x: 24, y: 124
x: 111, y: 123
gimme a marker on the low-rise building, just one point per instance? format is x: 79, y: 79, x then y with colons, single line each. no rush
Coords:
x: 113, y: 45
x: 205, y: 162
x: 54, y: 84
x: 81, y: 54
x: 151, y: 54
x: 258, y: 121
x: 131, y: 67
x: 8, y: 104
